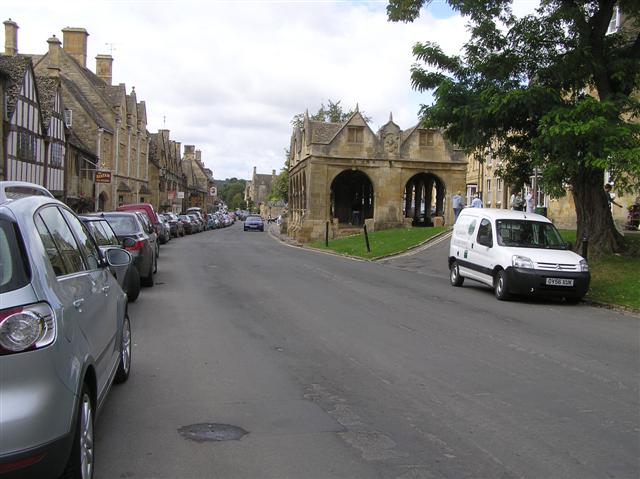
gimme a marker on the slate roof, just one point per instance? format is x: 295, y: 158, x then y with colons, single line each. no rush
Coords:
x: 47, y: 89
x: 15, y: 67
x: 322, y: 132
x: 86, y: 104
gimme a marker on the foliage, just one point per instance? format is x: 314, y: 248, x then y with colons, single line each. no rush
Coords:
x: 333, y: 113
x: 382, y: 243
x: 232, y: 192
x: 551, y: 91
x: 280, y: 186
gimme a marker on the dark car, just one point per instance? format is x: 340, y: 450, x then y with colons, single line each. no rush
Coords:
x: 150, y: 229
x: 105, y: 237
x: 143, y: 250
x: 187, y: 225
x: 175, y: 224
x: 164, y: 229
x: 253, y: 222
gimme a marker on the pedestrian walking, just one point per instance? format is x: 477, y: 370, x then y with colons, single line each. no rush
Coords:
x: 456, y: 202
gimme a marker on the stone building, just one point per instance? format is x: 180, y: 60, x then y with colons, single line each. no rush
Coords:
x: 258, y: 188
x: 106, y: 119
x: 166, y: 177
x: 199, y: 183
x: 347, y: 175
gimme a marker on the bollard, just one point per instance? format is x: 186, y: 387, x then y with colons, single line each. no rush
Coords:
x: 585, y: 247
x: 366, y: 238
x: 326, y: 235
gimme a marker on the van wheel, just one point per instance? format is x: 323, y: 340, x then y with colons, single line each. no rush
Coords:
x: 80, y: 464
x: 500, y: 285
x: 456, y: 279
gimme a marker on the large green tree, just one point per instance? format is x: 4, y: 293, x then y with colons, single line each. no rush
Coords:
x: 553, y: 91
x: 232, y: 192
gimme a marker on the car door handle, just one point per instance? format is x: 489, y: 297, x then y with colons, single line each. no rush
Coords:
x: 105, y: 289
x: 78, y: 303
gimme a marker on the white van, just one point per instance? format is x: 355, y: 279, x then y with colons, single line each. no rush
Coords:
x: 515, y: 253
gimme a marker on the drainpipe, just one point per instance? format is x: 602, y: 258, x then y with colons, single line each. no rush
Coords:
x: 95, y: 185
x: 114, y: 198
x: 138, y: 167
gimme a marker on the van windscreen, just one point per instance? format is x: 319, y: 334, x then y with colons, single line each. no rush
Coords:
x: 529, y: 234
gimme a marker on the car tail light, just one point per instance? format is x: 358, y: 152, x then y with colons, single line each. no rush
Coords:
x: 26, y: 328
x: 136, y: 246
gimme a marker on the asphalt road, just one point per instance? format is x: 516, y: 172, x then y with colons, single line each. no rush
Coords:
x: 343, y: 368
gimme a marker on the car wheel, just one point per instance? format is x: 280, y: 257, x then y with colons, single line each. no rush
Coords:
x: 454, y: 276
x: 500, y: 285
x: 132, y: 284
x: 122, y: 374
x: 155, y: 265
x: 80, y: 464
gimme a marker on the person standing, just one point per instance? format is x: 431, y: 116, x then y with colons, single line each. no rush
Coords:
x: 529, y: 202
x: 456, y: 202
x: 610, y: 200
x: 477, y: 202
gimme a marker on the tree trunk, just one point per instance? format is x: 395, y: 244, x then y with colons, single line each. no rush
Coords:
x: 593, y: 215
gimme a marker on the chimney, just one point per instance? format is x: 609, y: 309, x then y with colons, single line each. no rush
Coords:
x: 74, y: 42
x: 199, y: 156
x: 273, y: 172
x: 189, y: 150
x: 10, y: 38
x: 103, y: 68
x: 255, y: 169
x: 53, y: 69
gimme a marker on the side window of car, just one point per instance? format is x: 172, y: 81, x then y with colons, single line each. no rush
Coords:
x: 87, y: 246
x: 61, y: 246
x: 107, y: 231
x: 485, y: 236
x: 97, y: 232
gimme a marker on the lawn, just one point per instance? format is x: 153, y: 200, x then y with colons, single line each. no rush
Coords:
x: 382, y: 243
x: 615, y: 279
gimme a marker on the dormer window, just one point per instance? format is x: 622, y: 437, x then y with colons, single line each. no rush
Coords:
x: 355, y: 134
x: 426, y: 138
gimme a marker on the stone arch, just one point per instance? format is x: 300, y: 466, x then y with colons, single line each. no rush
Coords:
x: 424, y: 195
x: 351, y: 197
x: 103, y: 200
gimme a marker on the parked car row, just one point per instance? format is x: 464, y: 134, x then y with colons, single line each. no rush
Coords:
x: 65, y: 332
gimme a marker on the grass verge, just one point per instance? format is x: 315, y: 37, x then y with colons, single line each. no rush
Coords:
x: 615, y: 279
x: 382, y: 243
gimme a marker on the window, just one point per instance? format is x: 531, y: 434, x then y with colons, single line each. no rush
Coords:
x: 498, y: 191
x: 355, y: 134
x: 87, y: 246
x: 426, y: 138
x: 14, y: 268
x: 485, y: 236
x: 58, y: 241
x: 27, y: 146
x: 57, y: 154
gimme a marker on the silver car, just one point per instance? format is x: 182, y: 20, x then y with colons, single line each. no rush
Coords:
x: 65, y: 335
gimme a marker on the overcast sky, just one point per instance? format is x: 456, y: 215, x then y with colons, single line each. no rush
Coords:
x: 228, y: 76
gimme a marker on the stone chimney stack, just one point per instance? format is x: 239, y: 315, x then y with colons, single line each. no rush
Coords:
x: 189, y: 150
x: 53, y: 69
x: 199, y: 156
x: 10, y: 38
x: 74, y: 42
x: 273, y: 172
x: 255, y: 170
x: 104, y: 68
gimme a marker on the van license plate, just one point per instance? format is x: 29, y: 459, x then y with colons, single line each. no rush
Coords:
x: 559, y: 282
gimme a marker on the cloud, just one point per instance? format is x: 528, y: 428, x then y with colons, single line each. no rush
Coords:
x: 229, y: 76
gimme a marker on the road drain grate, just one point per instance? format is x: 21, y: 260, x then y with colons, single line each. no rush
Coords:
x: 205, y: 432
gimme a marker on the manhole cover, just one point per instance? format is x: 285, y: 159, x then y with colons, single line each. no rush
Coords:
x: 212, y: 432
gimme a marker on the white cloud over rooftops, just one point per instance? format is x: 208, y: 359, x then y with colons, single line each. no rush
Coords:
x: 229, y: 76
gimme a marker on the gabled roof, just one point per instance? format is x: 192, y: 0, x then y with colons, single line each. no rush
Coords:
x: 322, y: 132
x: 47, y: 91
x: 86, y: 105
x: 15, y: 67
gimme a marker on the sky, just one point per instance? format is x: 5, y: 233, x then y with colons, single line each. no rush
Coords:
x: 228, y: 76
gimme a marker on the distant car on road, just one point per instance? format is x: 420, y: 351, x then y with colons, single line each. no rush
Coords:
x: 65, y: 336
x: 253, y: 222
